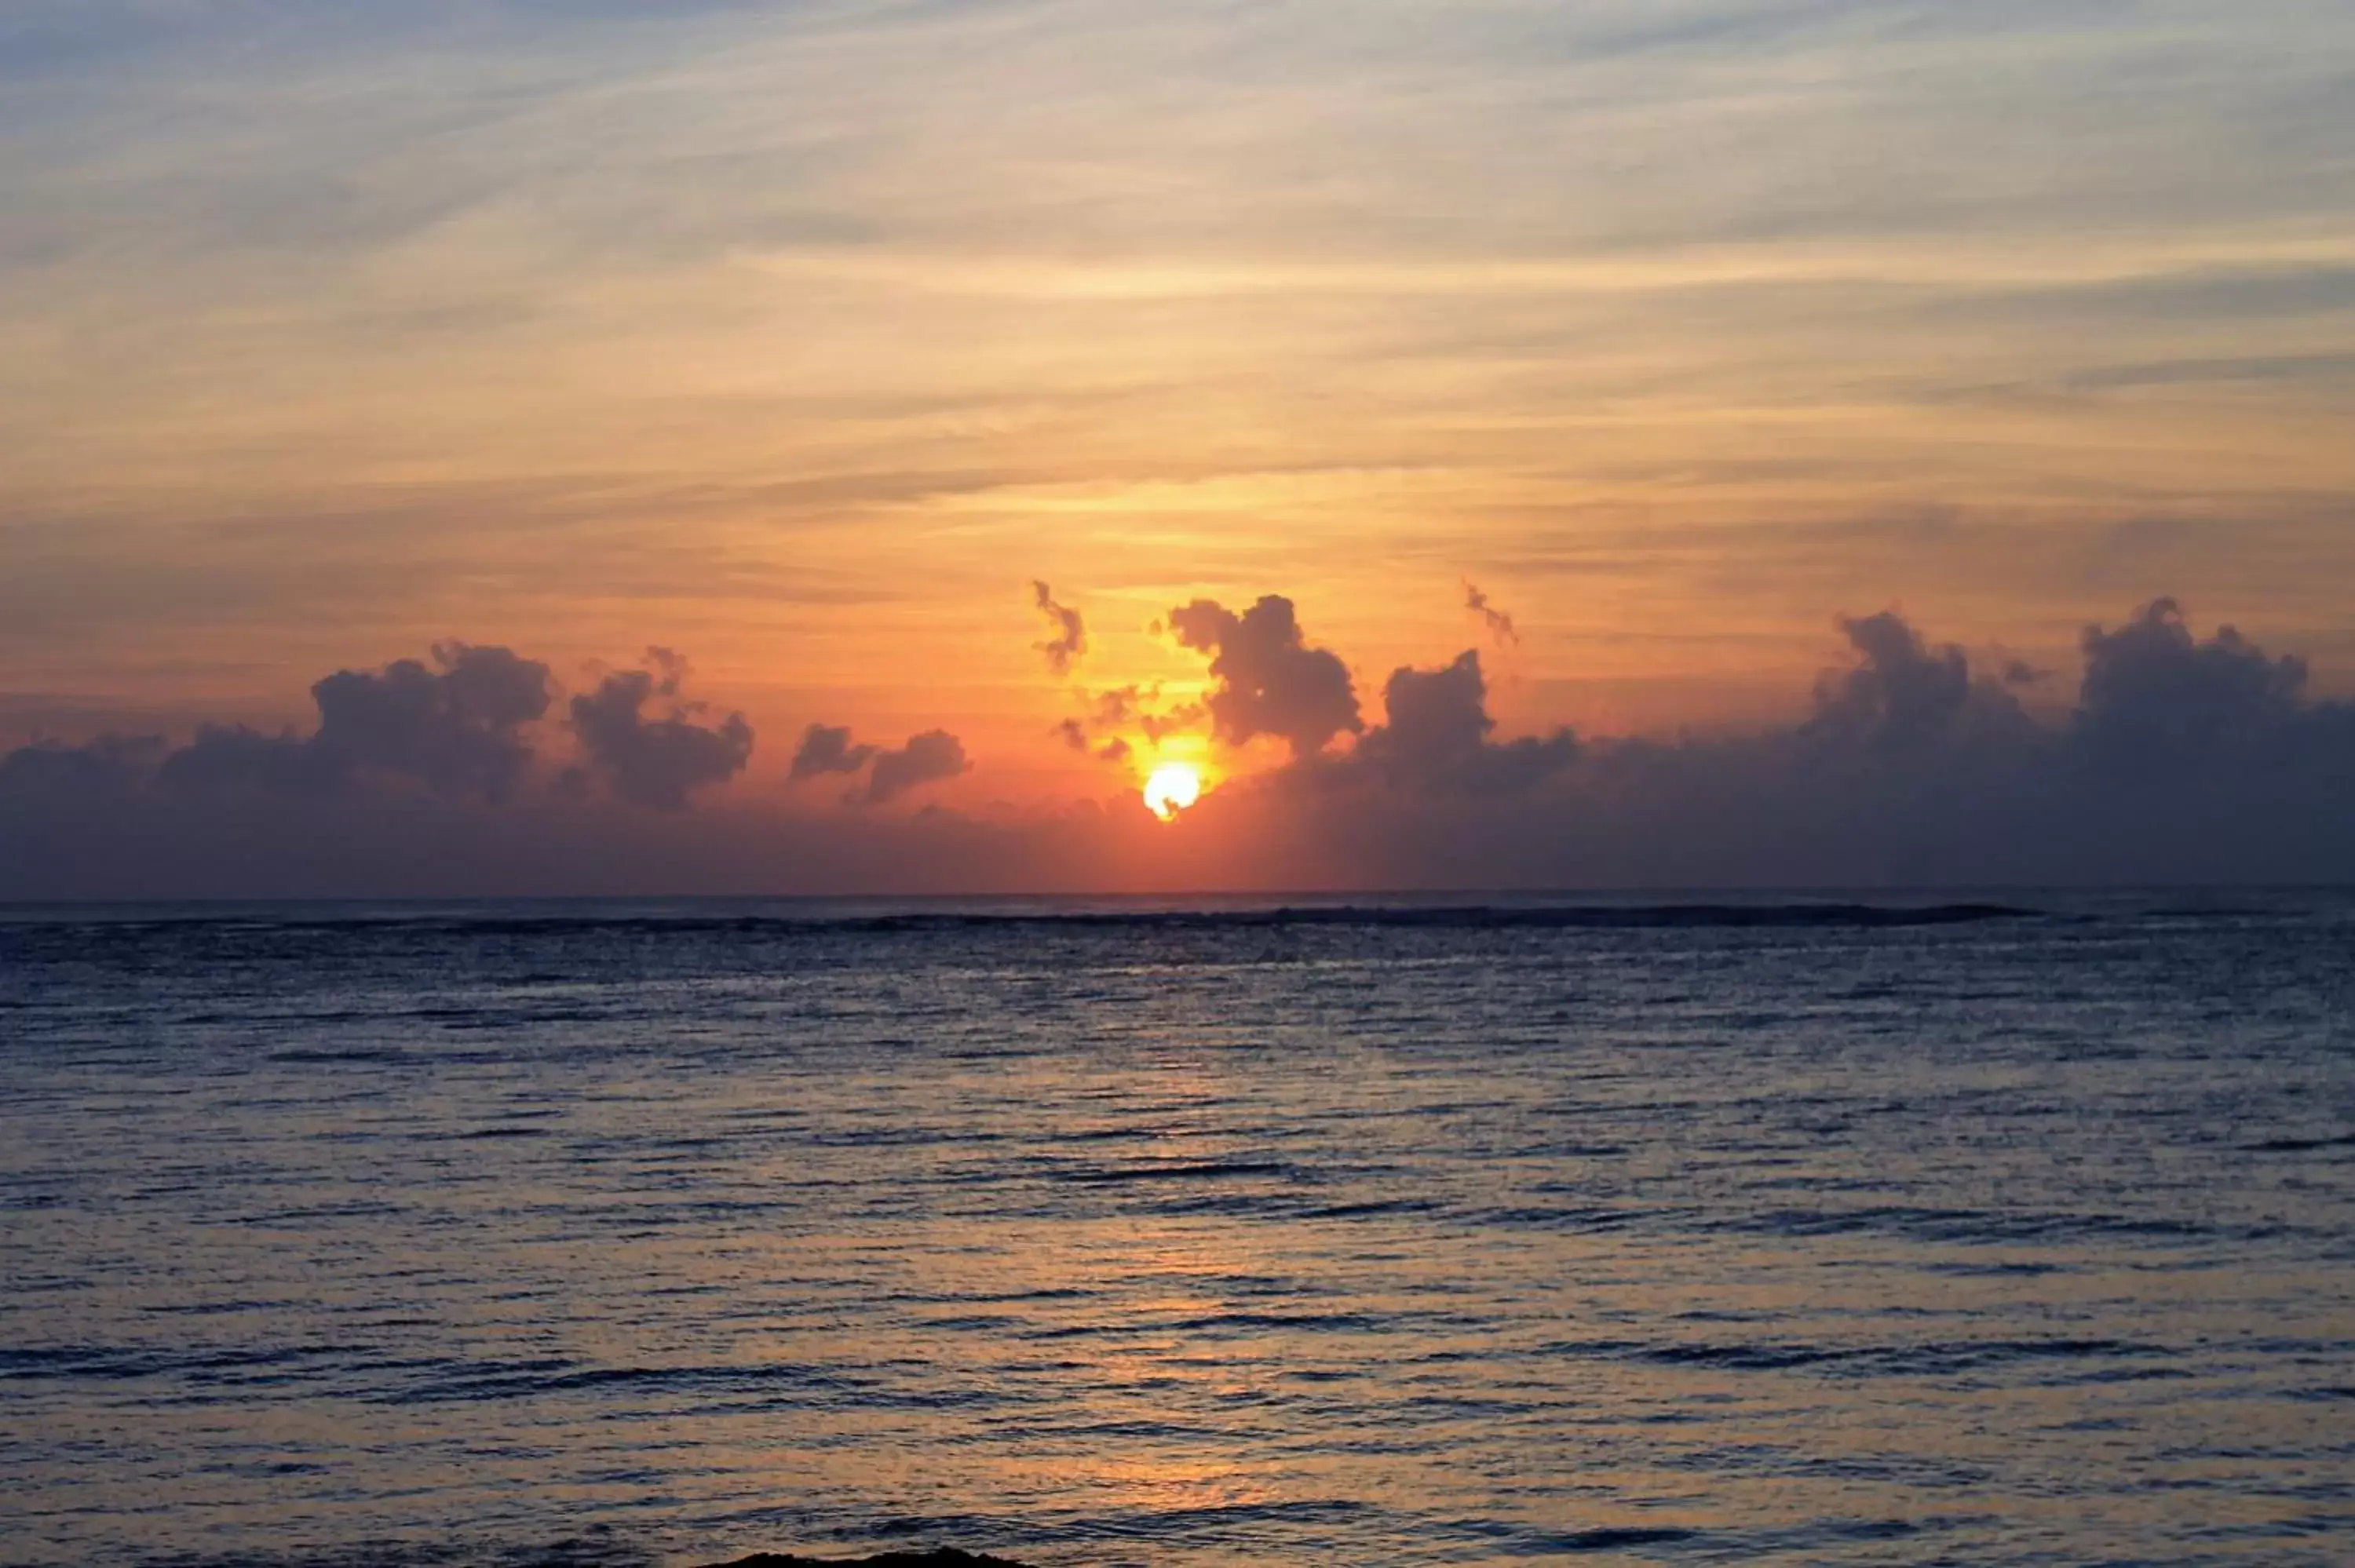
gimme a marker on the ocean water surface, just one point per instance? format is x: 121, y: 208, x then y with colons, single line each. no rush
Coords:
x: 2008, y: 1229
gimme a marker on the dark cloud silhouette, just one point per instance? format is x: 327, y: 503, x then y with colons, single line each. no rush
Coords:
x: 826, y: 748
x: 1069, y: 637
x: 232, y: 759
x: 108, y: 766
x: 657, y: 762
x: 457, y: 730
x: 2186, y: 759
x: 1269, y: 680
x: 1159, y: 726
x: 1900, y: 692
x: 927, y: 758
x: 1434, y: 737
x: 2183, y: 760
x: 1125, y: 707
x: 2156, y: 698
x: 1437, y: 738
x: 454, y: 727
x: 1499, y: 624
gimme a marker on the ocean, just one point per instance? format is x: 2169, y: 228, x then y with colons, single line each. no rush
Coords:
x: 2013, y: 1228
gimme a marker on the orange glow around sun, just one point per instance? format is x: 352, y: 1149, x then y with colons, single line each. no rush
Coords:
x: 1173, y: 787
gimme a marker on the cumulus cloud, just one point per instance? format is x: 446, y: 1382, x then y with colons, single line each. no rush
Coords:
x: 2187, y: 757
x: 1123, y: 708
x: 233, y: 758
x: 827, y: 748
x: 2184, y: 759
x: 108, y: 766
x: 1159, y: 726
x: 2156, y: 697
x: 457, y: 729
x: 1269, y: 680
x: 1069, y: 633
x: 1131, y: 707
x: 1436, y: 737
x: 1902, y: 693
x: 454, y: 727
x: 658, y: 762
x: 1499, y: 624
x: 927, y: 758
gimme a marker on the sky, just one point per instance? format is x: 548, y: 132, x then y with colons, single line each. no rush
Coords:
x: 770, y: 447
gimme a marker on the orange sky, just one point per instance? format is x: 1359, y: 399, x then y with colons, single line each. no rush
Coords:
x: 802, y: 338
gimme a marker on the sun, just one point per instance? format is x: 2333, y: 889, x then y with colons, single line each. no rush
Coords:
x: 1173, y: 787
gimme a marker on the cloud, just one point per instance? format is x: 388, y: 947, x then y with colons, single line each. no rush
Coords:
x: 1900, y: 692
x: 827, y: 748
x: 927, y: 758
x: 1501, y: 625
x: 2187, y: 757
x: 108, y: 766
x: 1269, y: 680
x: 2156, y: 697
x: 1434, y: 737
x: 1159, y: 726
x: 455, y: 728
x: 658, y: 762
x: 1125, y: 708
x: 2183, y: 761
x: 1070, y: 638
x: 233, y: 759
x: 1437, y: 738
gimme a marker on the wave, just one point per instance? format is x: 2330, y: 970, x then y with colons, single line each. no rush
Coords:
x: 1613, y: 916
x: 2298, y: 1145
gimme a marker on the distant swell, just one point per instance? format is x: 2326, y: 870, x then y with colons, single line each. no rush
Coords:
x: 1469, y: 916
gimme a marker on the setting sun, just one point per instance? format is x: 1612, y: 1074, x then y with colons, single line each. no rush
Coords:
x: 1173, y: 787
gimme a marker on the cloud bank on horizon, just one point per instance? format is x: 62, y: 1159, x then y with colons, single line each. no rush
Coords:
x: 2184, y: 758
